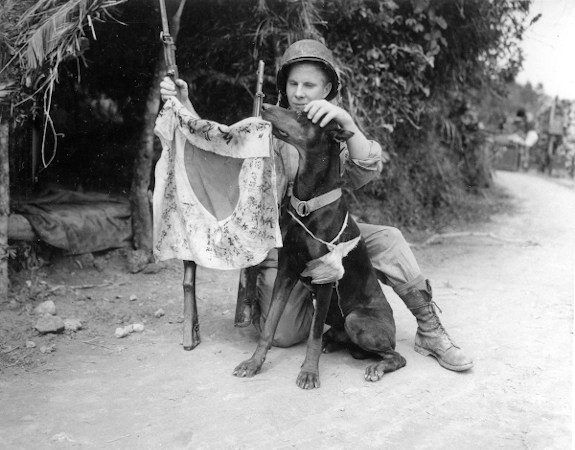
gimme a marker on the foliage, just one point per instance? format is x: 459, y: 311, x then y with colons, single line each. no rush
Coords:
x: 414, y: 72
x: 38, y: 36
x: 421, y: 68
x: 220, y: 45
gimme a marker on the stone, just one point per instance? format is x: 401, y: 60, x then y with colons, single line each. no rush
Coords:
x: 49, y: 324
x: 48, y: 348
x: 159, y: 313
x: 124, y: 331
x: 47, y: 307
x: 72, y: 325
x: 153, y: 268
x: 61, y: 437
x: 85, y: 261
x: 100, y: 264
x: 138, y: 260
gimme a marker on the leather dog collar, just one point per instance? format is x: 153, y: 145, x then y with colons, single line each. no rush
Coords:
x: 305, y: 208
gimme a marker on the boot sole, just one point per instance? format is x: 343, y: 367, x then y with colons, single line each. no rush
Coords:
x: 426, y: 352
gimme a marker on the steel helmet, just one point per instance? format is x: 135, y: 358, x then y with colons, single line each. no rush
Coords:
x: 308, y: 50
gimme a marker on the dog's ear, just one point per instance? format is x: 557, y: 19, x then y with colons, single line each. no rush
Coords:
x: 339, y: 135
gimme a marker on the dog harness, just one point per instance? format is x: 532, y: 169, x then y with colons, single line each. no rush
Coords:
x: 215, y: 199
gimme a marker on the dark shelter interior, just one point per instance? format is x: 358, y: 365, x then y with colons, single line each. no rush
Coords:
x: 82, y: 159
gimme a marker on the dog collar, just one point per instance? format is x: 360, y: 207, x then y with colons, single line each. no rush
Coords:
x: 305, y: 208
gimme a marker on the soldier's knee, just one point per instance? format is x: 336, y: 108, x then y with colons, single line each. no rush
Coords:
x: 385, y: 239
x: 285, y: 338
x: 392, y: 234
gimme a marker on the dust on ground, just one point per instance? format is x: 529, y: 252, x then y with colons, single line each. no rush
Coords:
x: 505, y: 287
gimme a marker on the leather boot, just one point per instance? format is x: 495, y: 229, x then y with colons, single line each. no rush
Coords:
x: 431, y: 338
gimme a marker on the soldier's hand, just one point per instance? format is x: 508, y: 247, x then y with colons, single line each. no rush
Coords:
x: 179, y: 89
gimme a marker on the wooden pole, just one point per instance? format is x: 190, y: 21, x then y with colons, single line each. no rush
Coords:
x: 4, y: 207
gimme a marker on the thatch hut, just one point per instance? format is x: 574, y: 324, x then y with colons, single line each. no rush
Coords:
x: 108, y: 56
x: 37, y: 38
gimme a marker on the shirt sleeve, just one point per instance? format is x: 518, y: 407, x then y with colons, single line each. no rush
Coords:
x: 361, y: 171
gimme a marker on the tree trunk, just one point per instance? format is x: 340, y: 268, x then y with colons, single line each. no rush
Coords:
x: 4, y: 208
x: 139, y: 192
x: 140, y: 188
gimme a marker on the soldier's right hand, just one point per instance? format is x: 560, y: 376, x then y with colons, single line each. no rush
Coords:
x: 179, y: 89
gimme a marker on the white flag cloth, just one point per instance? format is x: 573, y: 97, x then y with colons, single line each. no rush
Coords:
x: 215, y: 200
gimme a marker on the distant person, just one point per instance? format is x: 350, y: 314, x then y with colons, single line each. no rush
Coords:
x: 525, y: 136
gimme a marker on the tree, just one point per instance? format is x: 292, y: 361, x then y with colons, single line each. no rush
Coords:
x: 413, y: 72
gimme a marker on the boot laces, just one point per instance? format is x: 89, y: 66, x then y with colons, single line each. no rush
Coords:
x: 433, y: 308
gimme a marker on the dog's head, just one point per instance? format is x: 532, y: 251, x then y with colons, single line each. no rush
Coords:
x: 296, y: 129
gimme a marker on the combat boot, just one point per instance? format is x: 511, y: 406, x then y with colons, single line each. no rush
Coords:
x: 431, y: 338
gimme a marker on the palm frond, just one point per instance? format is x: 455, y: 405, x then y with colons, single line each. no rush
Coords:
x: 37, y: 36
x: 52, y: 30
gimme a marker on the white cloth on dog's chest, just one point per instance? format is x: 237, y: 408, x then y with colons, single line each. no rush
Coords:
x: 215, y: 199
x: 329, y: 268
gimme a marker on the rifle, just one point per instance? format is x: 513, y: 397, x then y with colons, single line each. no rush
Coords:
x: 258, y: 100
x: 249, y: 275
x: 169, y: 44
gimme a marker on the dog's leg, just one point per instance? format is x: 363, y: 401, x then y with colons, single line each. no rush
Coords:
x: 390, y: 362
x: 336, y: 339
x: 191, y: 322
x: 308, y: 377
x: 374, y: 332
x: 283, y: 286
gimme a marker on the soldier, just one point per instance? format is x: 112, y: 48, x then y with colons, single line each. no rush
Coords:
x: 307, y: 81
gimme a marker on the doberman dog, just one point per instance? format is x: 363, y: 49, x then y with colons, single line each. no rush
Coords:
x: 316, y: 220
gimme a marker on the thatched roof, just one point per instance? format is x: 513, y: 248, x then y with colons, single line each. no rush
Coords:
x: 36, y: 36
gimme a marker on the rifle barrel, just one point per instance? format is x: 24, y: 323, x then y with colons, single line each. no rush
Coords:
x: 169, y: 45
x: 165, y: 25
x: 258, y: 100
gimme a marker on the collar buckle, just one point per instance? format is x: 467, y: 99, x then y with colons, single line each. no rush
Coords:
x: 302, y: 208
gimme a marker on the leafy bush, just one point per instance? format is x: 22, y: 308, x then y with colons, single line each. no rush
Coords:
x: 413, y: 72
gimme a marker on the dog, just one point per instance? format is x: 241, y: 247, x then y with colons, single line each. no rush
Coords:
x: 317, y: 220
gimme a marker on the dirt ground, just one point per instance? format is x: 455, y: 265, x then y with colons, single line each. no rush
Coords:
x: 505, y: 287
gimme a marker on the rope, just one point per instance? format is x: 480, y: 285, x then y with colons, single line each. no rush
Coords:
x: 330, y: 245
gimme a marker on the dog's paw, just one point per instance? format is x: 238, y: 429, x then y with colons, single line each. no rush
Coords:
x: 247, y: 368
x: 374, y: 372
x: 308, y: 380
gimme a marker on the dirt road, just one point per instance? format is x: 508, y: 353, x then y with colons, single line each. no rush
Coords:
x: 507, y: 298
